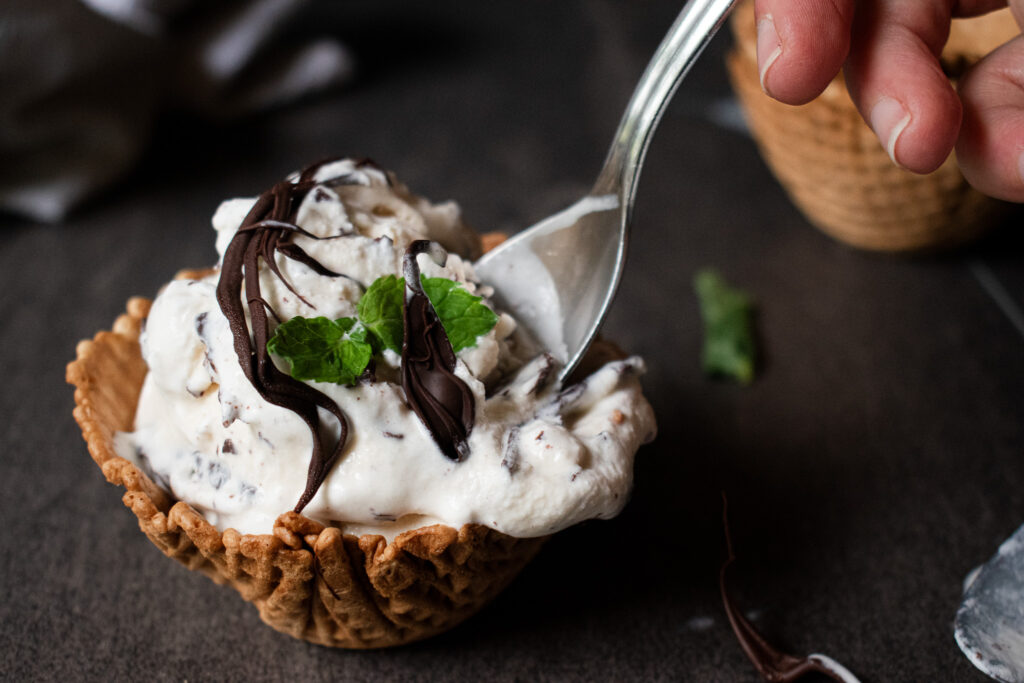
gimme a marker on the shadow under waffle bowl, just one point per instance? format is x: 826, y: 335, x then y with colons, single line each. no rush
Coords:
x: 307, y: 580
x: 836, y: 171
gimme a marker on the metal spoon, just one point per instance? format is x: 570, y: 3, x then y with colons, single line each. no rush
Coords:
x: 558, y: 277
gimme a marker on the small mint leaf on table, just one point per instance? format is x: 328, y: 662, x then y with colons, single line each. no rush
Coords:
x: 462, y: 315
x: 323, y: 350
x: 380, y: 310
x: 727, y: 312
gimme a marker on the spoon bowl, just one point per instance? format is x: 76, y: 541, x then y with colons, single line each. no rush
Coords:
x: 558, y: 278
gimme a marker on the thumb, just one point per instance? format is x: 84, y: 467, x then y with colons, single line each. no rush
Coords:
x: 990, y: 149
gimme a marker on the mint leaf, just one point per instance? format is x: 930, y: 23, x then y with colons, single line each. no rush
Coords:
x: 380, y: 310
x: 339, y: 350
x: 728, y: 328
x: 323, y: 350
x: 462, y: 315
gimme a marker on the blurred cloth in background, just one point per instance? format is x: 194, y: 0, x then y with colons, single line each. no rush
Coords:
x: 83, y: 81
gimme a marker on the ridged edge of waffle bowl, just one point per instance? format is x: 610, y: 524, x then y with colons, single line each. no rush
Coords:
x: 307, y: 580
x: 833, y: 168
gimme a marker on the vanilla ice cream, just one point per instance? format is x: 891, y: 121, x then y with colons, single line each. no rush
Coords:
x: 538, y: 457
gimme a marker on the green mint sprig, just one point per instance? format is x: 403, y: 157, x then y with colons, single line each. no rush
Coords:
x: 338, y: 351
x: 323, y: 350
x: 462, y: 315
x: 727, y: 312
x: 380, y: 310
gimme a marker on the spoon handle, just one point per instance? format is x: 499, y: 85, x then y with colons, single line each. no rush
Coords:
x: 686, y: 39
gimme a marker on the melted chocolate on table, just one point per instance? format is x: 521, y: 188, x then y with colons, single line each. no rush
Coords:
x: 441, y: 400
x: 771, y: 663
x: 266, y: 231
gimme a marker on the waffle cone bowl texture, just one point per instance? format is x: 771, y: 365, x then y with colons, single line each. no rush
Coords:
x: 835, y: 170
x: 307, y: 580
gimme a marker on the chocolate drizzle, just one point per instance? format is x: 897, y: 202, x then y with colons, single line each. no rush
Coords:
x: 771, y: 663
x: 441, y: 400
x: 265, y: 232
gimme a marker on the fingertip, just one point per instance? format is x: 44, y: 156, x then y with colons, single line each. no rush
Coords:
x: 901, y: 91
x: 801, y: 45
x: 917, y: 127
x: 999, y: 175
x: 990, y: 150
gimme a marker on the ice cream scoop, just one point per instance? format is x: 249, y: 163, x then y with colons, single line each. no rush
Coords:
x: 407, y: 522
x: 420, y: 432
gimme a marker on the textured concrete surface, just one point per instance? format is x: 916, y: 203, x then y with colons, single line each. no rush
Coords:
x: 875, y: 461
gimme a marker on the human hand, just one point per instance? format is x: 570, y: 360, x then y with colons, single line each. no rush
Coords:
x: 889, y: 50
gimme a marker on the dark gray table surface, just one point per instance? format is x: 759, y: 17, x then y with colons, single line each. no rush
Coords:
x: 878, y: 457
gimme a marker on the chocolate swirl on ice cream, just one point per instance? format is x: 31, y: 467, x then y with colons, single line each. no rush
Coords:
x: 264, y: 233
x: 441, y: 400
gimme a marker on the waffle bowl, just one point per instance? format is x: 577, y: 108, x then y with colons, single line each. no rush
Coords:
x: 307, y: 580
x: 834, y: 169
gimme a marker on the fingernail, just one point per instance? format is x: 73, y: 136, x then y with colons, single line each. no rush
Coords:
x: 889, y: 119
x: 769, y: 47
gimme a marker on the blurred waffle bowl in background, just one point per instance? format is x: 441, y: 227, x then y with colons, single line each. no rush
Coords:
x: 838, y: 174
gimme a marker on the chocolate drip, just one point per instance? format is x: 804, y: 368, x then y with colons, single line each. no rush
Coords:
x: 441, y: 400
x: 265, y: 232
x: 771, y: 663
